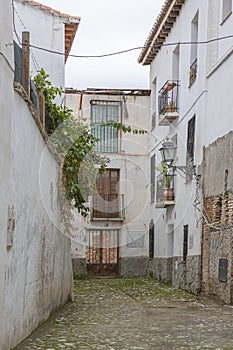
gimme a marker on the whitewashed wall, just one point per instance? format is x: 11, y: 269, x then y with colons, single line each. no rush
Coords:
x: 35, y: 272
x: 6, y: 98
x: 38, y: 273
x: 132, y: 160
x: 220, y: 74
x: 46, y: 31
x: 192, y: 102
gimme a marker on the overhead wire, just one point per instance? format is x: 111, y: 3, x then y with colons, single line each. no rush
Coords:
x: 131, y: 49
x: 111, y: 53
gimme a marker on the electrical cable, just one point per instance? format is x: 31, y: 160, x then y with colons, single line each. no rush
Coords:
x: 117, y: 52
x: 132, y: 49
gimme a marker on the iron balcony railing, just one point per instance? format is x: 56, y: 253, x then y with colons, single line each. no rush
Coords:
x: 193, y: 72
x: 108, y: 206
x: 168, y: 100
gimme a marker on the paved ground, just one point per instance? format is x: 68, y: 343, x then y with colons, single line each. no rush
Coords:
x: 130, y: 314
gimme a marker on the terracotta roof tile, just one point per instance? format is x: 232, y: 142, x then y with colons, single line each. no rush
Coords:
x: 71, y: 23
x: 160, y: 30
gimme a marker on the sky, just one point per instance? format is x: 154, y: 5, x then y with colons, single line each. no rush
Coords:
x: 108, y: 26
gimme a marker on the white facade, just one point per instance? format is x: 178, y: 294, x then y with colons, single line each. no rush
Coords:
x: 219, y: 74
x: 131, y: 159
x: 35, y: 259
x: 206, y: 99
x: 51, y: 26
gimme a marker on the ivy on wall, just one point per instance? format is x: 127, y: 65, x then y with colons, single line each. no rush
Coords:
x: 75, y: 144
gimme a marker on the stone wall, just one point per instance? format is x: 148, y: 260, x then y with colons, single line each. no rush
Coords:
x: 218, y: 223
x: 217, y: 244
x: 79, y: 267
x: 160, y: 268
x: 133, y: 266
x: 187, y: 275
x: 183, y: 275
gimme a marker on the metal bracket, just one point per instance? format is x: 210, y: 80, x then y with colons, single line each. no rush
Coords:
x: 189, y: 170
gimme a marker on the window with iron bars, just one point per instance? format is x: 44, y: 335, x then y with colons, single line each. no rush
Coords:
x: 103, y: 113
x: 190, y: 145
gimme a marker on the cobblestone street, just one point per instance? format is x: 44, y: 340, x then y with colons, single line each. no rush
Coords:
x: 135, y: 313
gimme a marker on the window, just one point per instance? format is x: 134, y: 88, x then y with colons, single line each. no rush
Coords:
x: 193, y: 52
x: 151, y: 239
x: 190, y: 144
x: 106, y: 202
x: 185, y: 243
x: 152, y: 178
x: 102, y: 113
x: 226, y: 8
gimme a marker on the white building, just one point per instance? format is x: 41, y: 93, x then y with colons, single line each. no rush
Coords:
x: 35, y: 263
x: 114, y: 239
x: 56, y: 33
x: 186, y: 112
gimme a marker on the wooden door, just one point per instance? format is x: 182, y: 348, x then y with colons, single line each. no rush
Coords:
x: 106, y: 201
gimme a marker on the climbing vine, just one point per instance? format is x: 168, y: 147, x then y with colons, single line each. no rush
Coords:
x: 75, y: 145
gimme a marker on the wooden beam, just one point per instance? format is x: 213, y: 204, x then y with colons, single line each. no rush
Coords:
x: 174, y: 13
x: 26, y: 62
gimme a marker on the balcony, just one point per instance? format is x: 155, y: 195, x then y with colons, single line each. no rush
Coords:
x: 168, y: 102
x: 108, y: 207
x: 164, y: 194
x: 193, y: 73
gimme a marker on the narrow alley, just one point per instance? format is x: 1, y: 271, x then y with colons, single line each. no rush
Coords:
x: 134, y: 313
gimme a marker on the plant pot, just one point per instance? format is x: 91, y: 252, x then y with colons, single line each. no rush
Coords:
x: 168, y: 194
x: 171, y: 108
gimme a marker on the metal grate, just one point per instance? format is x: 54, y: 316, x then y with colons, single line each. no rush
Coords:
x: 103, y: 252
x: 193, y: 73
x: 168, y: 100
x: 108, y: 206
x: 102, y: 113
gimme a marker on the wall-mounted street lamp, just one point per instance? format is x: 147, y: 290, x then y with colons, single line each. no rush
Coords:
x: 168, y: 153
